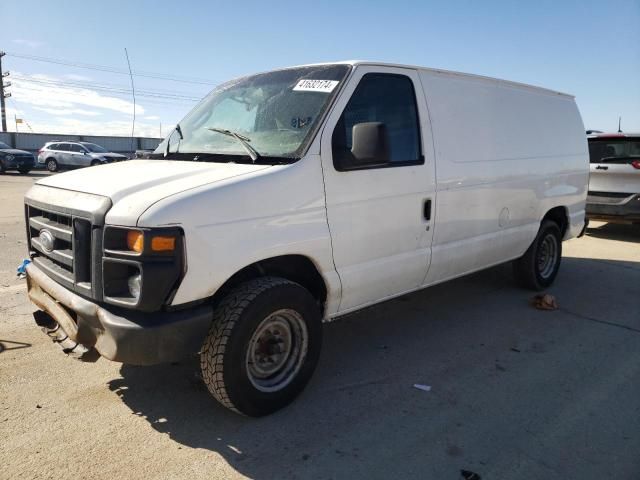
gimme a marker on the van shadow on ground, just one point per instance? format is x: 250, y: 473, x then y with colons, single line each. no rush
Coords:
x: 615, y: 231
x: 501, y: 374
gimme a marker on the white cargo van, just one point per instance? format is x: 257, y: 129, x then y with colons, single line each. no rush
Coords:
x: 296, y: 196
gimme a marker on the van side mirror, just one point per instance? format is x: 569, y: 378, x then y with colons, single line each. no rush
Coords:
x: 370, y: 144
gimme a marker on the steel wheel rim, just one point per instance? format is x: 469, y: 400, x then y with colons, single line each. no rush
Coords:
x: 277, y: 350
x: 547, y: 256
x: 51, y: 165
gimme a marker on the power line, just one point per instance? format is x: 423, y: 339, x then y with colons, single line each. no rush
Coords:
x: 104, y: 88
x: 105, y: 68
x: 148, y: 101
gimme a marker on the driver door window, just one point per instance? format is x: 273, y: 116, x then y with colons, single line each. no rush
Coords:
x: 389, y: 99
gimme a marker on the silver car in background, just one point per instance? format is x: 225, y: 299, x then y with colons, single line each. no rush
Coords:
x: 58, y: 155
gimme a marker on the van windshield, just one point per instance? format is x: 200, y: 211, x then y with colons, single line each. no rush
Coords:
x: 277, y: 112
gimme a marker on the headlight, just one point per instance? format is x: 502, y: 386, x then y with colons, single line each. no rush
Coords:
x: 142, y: 267
x: 135, y: 241
x: 157, y: 243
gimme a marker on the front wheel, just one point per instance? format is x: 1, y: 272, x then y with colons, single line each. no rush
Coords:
x: 52, y: 165
x: 263, y: 346
x: 538, y: 267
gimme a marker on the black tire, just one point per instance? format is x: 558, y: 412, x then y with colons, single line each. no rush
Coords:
x: 538, y: 267
x: 96, y: 162
x: 52, y: 165
x: 225, y: 358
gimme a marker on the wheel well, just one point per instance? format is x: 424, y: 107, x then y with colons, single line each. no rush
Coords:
x: 559, y: 216
x: 296, y: 268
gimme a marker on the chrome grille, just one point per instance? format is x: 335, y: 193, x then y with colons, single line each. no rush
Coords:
x: 61, y: 245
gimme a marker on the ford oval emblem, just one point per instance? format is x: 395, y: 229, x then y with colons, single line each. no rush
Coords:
x: 47, y: 240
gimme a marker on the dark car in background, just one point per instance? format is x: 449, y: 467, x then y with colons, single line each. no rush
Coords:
x: 614, y: 181
x: 14, y: 159
x: 69, y: 154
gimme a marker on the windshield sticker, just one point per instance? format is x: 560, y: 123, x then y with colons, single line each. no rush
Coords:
x: 307, y: 85
x: 298, y: 122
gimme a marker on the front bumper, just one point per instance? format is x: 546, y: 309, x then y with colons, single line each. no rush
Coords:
x: 612, y: 208
x: 19, y: 163
x: 120, y: 335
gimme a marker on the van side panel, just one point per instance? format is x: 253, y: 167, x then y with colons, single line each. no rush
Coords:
x: 505, y: 155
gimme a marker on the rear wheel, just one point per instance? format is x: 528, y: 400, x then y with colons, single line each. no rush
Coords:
x: 263, y: 346
x: 52, y: 165
x: 538, y: 267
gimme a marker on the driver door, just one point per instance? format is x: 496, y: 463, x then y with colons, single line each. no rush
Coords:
x: 380, y: 215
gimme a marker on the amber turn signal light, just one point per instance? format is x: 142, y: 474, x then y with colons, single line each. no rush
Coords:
x: 135, y: 240
x: 163, y: 244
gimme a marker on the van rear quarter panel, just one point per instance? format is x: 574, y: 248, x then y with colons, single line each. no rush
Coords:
x: 505, y: 155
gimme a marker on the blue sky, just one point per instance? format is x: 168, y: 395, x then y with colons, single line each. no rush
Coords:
x: 588, y: 49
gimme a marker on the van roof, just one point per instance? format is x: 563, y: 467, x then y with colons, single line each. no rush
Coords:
x: 445, y: 72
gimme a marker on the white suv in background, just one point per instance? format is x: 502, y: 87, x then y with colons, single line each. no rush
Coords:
x: 57, y: 155
x: 614, y: 183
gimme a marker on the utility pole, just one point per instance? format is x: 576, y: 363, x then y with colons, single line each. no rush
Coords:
x: 3, y: 95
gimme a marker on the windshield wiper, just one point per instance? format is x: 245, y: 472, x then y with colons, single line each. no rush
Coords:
x: 244, y: 141
x: 176, y: 129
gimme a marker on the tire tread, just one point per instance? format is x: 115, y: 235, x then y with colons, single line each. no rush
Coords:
x: 524, y: 268
x: 225, y: 318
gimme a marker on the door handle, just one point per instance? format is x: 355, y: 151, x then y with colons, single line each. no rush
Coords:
x: 601, y: 167
x: 426, y: 212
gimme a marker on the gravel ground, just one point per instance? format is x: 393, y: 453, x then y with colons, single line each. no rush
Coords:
x: 515, y: 392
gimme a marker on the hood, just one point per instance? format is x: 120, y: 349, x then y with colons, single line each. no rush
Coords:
x: 14, y: 151
x: 134, y: 185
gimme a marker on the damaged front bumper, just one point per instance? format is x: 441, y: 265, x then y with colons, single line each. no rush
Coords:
x: 128, y: 336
